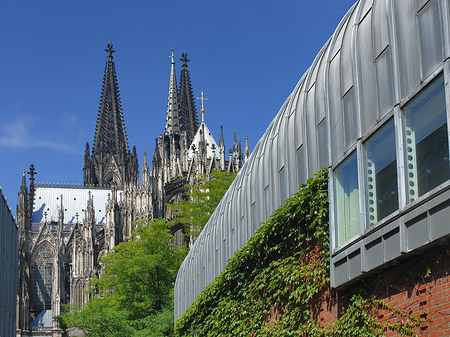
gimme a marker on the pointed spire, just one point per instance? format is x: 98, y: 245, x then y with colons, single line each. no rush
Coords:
x: 32, y: 173
x: 222, y: 141
x: 110, y: 135
x: 145, y: 165
x: 188, y: 111
x: 22, y: 203
x: 23, y: 186
x: 109, y: 49
x: 222, y: 149
x: 235, y: 142
x: 247, y: 149
x: 156, y: 155
x: 239, y: 147
x: 145, y: 171
x: 173, y: 112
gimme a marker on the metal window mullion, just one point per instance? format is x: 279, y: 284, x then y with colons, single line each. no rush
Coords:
x: 354, y: 55
x: 445, y: 26
x: 332, y: 213
x: 400, y: 156
x: 361, y: 187
x: 447, y: 96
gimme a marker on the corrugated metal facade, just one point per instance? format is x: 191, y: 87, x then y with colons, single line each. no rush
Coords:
x: 385, y: 59
x: 8, y: 269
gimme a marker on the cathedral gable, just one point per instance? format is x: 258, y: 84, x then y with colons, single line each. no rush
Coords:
x: 45, y: 234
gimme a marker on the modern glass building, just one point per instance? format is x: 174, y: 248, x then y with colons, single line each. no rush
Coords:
x: 374, y: 109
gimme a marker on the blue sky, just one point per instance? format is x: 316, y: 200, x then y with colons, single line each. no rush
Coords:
x: 247, y: 57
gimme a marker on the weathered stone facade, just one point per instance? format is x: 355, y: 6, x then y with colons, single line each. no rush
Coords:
x: 66, y: 229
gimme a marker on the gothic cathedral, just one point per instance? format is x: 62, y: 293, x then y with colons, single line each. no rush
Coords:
x: 65, y: 229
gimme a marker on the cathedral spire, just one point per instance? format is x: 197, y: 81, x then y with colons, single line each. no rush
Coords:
x: 145, y: 171
x: 247, y: 149
x: 32, y: 173
x: 22, y: 204
x: 110, y: 134
x: 110, y: 153
x: 188, y: 112
x: 23, y: 186
x: 173, y: 112
x: 222, y: 141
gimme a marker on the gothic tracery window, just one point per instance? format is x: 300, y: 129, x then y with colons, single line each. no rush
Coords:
x: 42, y: 272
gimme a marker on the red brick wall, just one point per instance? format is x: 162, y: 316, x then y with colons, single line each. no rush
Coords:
x: 419, y: 286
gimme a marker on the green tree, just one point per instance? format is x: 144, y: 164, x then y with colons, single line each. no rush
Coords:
x: 136, y: 285
x: 202, y: 199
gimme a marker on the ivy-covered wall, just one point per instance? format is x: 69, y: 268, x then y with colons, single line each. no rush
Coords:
x: 278, y: 285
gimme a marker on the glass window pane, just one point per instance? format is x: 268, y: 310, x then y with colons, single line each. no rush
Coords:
x: 381, y: 174
x: 346, y: 193
x: 426, y: 140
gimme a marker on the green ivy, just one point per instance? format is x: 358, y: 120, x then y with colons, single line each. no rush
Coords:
x: 273, y: 285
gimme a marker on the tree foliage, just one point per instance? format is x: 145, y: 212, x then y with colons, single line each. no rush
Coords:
x: 134, y: 294
x: 135, y: 287
x: 203, y: 196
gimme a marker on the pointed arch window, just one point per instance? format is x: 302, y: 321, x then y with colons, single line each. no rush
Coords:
x: 42, y: 272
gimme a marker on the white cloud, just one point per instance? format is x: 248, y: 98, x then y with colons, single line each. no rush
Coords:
x: 22, y: 132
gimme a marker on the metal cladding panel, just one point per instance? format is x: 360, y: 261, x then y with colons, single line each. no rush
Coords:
x: 335, y: 109
x: 281, y: 142
x: 48, y: 199
x: 275, y: 183
x: 346, y: 57
x: 380, y: 21
x: 366, y: 75
x: 365, y: 8
x: 417, y: 232
x: 439, y: 220
x: 291, y: 148
x: 430, y: 32
x: 311, y: 138
x: 319, y: 96
x: 350, y: 118
x: 322, y: 141
x: 365, y: 69
x: 408, y: 45
x: 385, y: 80
x: 299, y: 125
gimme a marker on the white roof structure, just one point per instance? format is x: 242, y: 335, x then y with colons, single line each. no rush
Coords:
x: 210, y: 143
x: 48, y: 199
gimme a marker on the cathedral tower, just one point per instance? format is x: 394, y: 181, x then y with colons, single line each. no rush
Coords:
x: 111, y: 160
x: 188, y: 113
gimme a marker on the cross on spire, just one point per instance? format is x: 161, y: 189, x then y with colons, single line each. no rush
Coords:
x: 172, y: 57
x: 184, y: 58
x: 109, y: 49
x: 203, y: 108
